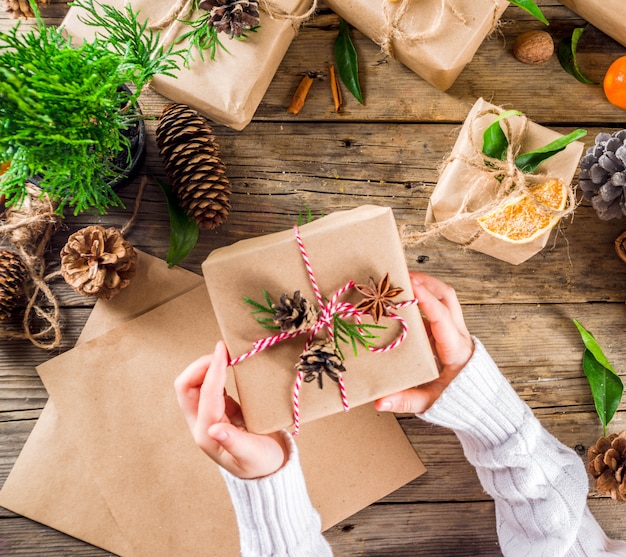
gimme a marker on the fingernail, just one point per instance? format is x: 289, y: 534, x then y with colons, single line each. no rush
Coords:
x: 385, y: 406
x: 221, y: 436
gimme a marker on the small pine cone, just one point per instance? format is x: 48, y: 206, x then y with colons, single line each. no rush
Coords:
x: 232, y: 16
x: 320, y: 358
x: 98, y: 262
x: 295, y: 313
x: 13, y: 278
x: 607, y: 464
x: 602, y: 177
x: 193, y: 165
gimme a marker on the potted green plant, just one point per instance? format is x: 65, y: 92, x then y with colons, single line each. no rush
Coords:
x: 67, y: 110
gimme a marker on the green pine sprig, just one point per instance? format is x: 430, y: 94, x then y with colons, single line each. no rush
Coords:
x: 63, y: 108
x: 265, y: 322
x: 204, y: 37
x: 353, y: 334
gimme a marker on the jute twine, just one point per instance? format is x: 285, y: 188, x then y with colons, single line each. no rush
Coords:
x: 182, y: 9
x: 502, y: 177
x: 395, y: 12
x: 28, y: 229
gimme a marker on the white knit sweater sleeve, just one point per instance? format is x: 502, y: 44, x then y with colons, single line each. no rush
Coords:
x: 275, y: 515
x: 539, y: 485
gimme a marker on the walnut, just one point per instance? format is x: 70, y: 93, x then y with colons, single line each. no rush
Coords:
x: 533, y: 47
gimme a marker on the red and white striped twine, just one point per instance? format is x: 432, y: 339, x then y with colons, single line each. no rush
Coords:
x: 325, y: 319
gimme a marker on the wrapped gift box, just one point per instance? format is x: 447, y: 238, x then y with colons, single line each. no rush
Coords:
x: 229, y: 89
x: 350, y: 245
x: 450, y: 197
x: 435, y: 39
x: 606, y: 15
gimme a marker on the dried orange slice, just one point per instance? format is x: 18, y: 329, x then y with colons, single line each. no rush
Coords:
x: 525, y: 218
x: 4, y: 166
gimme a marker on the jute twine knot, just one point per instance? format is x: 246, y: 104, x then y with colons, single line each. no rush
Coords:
x: 28, y: 228
x: 502, y: 178
x: 395, y: 11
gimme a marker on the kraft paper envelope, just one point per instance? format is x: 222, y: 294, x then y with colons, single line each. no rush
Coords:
x: 183, y: 506
x: 35, y: 483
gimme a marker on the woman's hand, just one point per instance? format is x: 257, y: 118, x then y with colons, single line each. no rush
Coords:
x: 451, y: 341
x: 216, y: 423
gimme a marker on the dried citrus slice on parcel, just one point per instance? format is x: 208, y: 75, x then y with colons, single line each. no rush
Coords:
x: 524, y: 218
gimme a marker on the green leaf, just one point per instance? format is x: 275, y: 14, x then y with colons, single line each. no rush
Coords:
x: 566, y: 52
x: 531, y: 8
x: 606, y: 386
x: 347, y: 61
x: 528, y: 162
x: 184, y: 231
x: 495, y: 142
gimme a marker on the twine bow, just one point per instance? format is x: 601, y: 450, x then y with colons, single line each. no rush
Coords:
x: 393, y: 17
x: 328, y: 310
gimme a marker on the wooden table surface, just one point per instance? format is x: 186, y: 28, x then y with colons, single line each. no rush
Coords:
x: 388, y: 152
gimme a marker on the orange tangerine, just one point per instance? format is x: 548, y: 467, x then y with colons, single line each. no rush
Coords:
x: 615, y: 83
x: 524, y: 218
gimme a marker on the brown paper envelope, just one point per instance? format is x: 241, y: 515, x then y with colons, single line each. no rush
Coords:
x: 606, y: 15
x: 451, y: 189
x: 59, y: 490
x: 440, y: 57
x: 50, y: 483
x: 343, y: 246
x: 143, y: 458
x: 229, y: 89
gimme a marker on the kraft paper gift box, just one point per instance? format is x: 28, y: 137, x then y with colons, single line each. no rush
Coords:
x: 434, y: 38
x: 121, y: 472
x: 606, y: 15
x: 343, y: 246
x: 229, y: 89
x: 462, y: 188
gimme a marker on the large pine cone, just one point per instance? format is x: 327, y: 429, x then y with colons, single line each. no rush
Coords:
x: 602, y: 177
x: 98, y: 262
x: 607, y: 464
x: 294, y: 313
x: 320, y: 358
x: 13, y: 277
x: 193, y: 165
x: 232, y: 16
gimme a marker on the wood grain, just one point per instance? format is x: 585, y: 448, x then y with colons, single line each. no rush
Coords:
x: 389, y: 152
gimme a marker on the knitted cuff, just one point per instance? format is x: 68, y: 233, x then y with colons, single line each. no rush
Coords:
x: 274, y: 513
x: 479, y: 404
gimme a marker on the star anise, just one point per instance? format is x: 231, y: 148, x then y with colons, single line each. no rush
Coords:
x: 377, y: 301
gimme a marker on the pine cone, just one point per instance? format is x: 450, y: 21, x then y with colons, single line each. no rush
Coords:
x: 98, y: 262
x: 320, y: 358
x: 607, y: 464
x: 21, y: 8
x: 232, y: 16
x: 602, y: 177
x: 13, y: 277
x: 294, y: 314
x: 193, y: 165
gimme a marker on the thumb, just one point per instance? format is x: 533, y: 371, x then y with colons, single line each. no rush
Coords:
x: 411, y: 401
x: 244, y: 454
